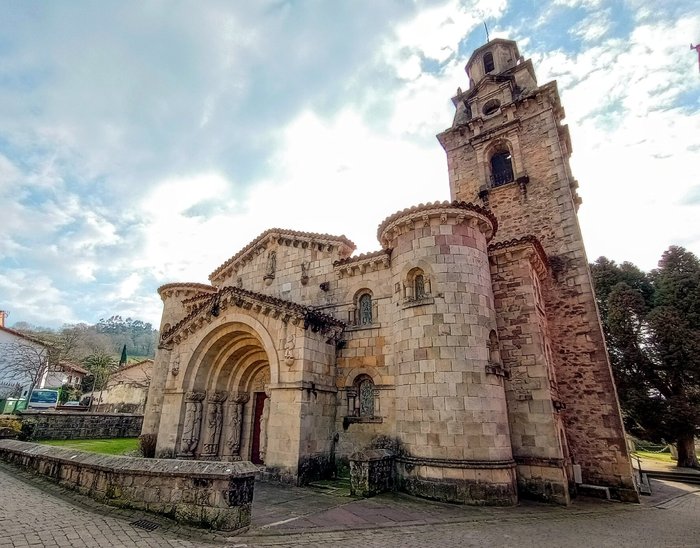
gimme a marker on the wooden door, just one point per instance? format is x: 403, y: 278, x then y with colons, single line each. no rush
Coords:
x: 259, y: 400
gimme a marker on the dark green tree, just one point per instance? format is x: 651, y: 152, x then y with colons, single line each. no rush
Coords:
x: 652, y: 328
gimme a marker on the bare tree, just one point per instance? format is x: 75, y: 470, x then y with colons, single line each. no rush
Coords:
x: 24, y: 363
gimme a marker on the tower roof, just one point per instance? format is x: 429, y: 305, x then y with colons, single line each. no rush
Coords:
x: 490, y: 44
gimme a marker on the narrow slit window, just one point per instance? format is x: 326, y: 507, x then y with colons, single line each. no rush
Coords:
x: 488, y: 62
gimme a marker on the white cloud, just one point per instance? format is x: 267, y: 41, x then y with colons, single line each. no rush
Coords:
x: 181, y: 135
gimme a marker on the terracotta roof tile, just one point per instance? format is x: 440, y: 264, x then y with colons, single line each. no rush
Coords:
x: 433, y: 205
x: 362, y: 257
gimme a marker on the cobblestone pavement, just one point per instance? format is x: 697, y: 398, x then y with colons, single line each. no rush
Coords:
x: 35, y: 512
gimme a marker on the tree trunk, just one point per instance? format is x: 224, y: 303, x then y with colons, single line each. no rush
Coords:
x: 686, y: 451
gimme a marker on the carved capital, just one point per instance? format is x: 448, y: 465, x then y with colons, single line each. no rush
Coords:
x: 195, y: 396
x: 240, y: 398
x: 218, y: 396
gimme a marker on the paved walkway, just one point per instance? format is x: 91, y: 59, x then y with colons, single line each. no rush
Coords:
x: 35, y: 512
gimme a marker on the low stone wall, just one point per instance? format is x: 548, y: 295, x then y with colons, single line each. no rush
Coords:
x: 371, y: 472
x: 53, y: 425
x: 214, y: 495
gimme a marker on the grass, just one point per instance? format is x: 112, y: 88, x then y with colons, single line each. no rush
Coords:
x: 661, y: 457
x: 113, y: 446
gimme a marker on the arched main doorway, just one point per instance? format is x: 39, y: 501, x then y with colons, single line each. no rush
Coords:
x: 226, y: 407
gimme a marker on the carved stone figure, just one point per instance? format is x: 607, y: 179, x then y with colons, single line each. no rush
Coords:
x: 264, y: 418
x: 271, y: 267
x: 234, y: 424
x: 192, y: 424
x: 175, y: 369
x: 215, y: 420
x: 304, y: 272
x: 289, y: 350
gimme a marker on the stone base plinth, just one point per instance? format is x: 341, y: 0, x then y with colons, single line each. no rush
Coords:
x: 480, y: 483
x: 543, y: 481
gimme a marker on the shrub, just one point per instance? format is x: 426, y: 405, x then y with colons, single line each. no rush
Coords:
x: 9, y: 427
x: 10, y: 422
x: 147, y: 444
x: 27, y: 430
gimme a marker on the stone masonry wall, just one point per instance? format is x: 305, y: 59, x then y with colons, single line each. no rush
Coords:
x: 533, y: 401
x: 74, y: 426
x: 544, y: 204
x: 204, y: 494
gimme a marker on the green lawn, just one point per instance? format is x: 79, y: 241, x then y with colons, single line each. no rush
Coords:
x: 663, y: 457
x: 113, y: 446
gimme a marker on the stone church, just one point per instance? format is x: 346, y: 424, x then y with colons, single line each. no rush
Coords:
x: 470, y: 339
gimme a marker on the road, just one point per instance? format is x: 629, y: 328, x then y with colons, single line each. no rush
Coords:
x: 35, y: 512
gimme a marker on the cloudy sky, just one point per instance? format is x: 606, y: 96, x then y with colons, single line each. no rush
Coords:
x: 146, y: 142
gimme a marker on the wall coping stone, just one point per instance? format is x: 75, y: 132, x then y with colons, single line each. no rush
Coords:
x: 134, y: 465
x: 371, y: 455
x: 32, y: 412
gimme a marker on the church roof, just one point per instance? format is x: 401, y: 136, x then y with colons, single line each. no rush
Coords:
x: 186, y: 285
x: 266, y: 304
x: 362, y: 257
x: 308, y: 237
x: 490, y: 44
x: 468, y: 206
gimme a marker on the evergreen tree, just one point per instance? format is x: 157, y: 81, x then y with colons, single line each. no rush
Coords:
x: 652, y: 328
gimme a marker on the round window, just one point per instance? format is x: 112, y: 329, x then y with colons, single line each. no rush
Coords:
x: 491, y: 107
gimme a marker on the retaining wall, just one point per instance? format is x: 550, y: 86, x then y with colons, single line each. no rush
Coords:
x: 214, y: 495
x: 52, y: 425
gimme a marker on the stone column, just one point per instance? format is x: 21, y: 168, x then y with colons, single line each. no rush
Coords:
x: 193, y: 424
x: 234, y: 423
x: 215, y: 421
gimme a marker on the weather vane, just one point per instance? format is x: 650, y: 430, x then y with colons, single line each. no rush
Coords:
x: 487, y: 34
x: 696, y: 48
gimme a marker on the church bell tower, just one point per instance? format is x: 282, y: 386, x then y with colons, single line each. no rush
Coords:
x: 508, y: 151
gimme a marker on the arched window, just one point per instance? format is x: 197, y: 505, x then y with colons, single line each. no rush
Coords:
x: 365, y: 310
x: 365, y: 391
x: 361, y: 398
x: 419, y: 286
x: 416, y: 285
x: 494, y: 351
x: 488, y: 62
x: 501, y: 168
